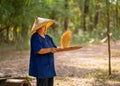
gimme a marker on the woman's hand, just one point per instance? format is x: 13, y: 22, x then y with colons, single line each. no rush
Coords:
x: 53, y: 50
x: 47, y: 50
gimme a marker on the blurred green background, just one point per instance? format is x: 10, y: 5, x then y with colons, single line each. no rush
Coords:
x: 87, y: 19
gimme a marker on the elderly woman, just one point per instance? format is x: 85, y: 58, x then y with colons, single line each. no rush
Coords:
x: 42, y: 53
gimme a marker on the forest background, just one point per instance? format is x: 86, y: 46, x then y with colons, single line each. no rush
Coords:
x: 87, y: 19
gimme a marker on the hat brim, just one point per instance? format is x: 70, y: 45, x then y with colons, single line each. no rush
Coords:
x: 47, y: 24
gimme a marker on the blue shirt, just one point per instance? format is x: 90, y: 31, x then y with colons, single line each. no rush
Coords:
x: 41, y: 65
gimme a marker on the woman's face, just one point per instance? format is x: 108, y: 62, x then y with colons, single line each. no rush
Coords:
x: 42, y: 30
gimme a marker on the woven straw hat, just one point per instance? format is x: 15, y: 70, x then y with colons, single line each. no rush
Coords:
x: 40, y: 22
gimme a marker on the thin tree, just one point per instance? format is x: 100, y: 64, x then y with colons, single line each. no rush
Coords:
x: 108, y: 34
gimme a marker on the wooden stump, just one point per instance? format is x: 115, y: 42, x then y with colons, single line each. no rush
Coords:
x: 17, y: 82
x: 2, y: 81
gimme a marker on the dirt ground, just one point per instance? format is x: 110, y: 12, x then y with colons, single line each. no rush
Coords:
x: 74, y: 68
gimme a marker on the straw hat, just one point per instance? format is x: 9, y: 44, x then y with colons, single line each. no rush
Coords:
x: 40, y: 22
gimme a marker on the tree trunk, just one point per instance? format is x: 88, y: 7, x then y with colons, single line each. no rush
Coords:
x: 15, y: 33
x: 6, y: 28
x: 117, y: 18
x: 86, y: 10
x: 7, y: 35
x: 53, y: 17
x: 66, y: 23
x: 97, y: 13
x: 66, y: 17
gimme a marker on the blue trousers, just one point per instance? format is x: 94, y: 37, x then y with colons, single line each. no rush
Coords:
x: 45, y: 82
